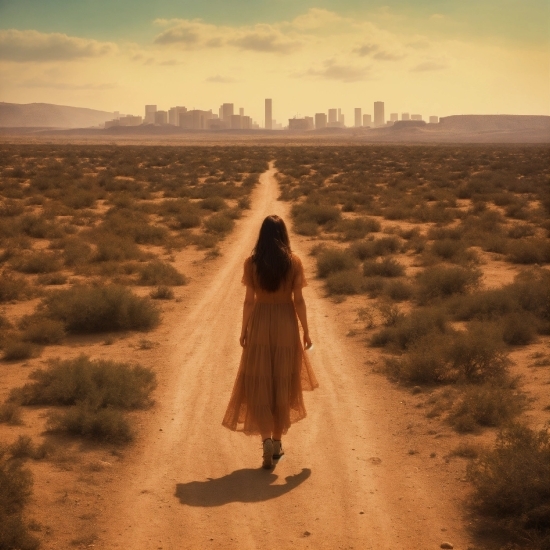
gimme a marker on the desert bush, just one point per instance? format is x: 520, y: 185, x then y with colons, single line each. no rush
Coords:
x: 519, y: 231
x: 80, y: 198
x: 113, y: 248
x: 41, y: 330
x: 213, y: 203
x: 205, y: 241
x: 39, y: 227
x: 17, y: 350
x: 387, y: 267
x: 160, y: 273
x: 13, y: 288
x: 51, y: 279
x: 106, y: 425
x: 442, y: 282
x: 348, y: 281
x: 162, y: 293
x: 357, y: 228
x: 36, y: 262
x: 512, y: 485
x: 10, y: 413
x: 15, y: 491
x: 100, y: 309
x: 75, y: 251
x: 332, y: 260
x: 99, y: 383
x: 529, y: 251
x: 518, y: 329
x: 410, y: 328
x: 312, y: 213
x: 219, y: 224
x: 485, y: 405
x: 23, y: 448
x: 399, y: 290
x: 363, y: 250
x: 484, y: 304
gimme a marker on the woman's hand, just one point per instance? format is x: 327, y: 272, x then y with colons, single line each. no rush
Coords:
x: 242, y: 340
x: 307, y: 341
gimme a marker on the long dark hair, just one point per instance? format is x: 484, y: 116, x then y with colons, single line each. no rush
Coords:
x: 271, y: 255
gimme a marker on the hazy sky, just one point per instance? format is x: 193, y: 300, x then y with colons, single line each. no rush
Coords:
x: 432, y: 57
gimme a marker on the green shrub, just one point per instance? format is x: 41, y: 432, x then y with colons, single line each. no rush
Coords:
x: 160, y: 273
x: 485, y: 405
x: 100, y: 309
x: 332, y: 260
x: 387, y: 267
x: 219, y: 224
x: 344, y: 282
x: 162, y: 293
x: 442, y: 282
x: 512, y: 485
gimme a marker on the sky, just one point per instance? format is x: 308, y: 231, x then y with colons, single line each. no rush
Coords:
x: 428, y: 57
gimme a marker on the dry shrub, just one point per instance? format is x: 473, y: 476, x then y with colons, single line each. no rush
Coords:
x: 100, y: 309
x: 219, y: 224
x: 18, y: 350
x: 13, y: 288
x: 10, y: 413
x: 387, y: 267
x: 75, y: 251
x: 160, y: 273
x: 348, y: 281
x: 37, y: 262
x: 41, y: 330
x: 162, y: 293
x: 332, y: 260
x: 442, y: 282
x: 52, y: 279
x: 485, y: 405
x: 529, y: 251
x: 399, y: 290
x: 112, y: 248
x: 358, y: 228
x: 364, y: 250
x: 313, y: 213
x: 518, y: 329
x: 214, y: 203
x: 512, y: 485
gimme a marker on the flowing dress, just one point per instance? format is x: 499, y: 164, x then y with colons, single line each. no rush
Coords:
x: 274, y: 368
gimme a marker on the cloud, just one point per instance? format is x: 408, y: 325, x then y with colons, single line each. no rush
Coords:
x: 332, y: 70
x: 365, y: 49
x: 218, y: 79
x: 388, y: 56
x: 429, y: 66
x: 195, y: 34
x: 37, y: 83
x: 34, y: 46
x: 374, y: 51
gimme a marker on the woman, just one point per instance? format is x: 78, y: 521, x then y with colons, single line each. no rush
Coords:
x: 267, y: 396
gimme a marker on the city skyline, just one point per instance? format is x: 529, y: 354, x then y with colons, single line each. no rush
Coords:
x: 429, y: 57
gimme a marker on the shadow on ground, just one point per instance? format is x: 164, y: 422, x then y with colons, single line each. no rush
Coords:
x: 246, y: 485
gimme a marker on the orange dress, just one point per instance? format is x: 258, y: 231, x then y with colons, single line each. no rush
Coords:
x: 274, y: 368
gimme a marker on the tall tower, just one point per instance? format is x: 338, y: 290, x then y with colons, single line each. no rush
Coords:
x: 268, y: 114
x: 358, y: 117
x: 379, y: 119
x: 227, y: 111
x: 332, y: 115
x: 150, y: 111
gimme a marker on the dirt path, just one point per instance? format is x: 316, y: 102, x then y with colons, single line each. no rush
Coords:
x: 348, y: 479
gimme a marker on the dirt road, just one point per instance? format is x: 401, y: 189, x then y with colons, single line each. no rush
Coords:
x: 348, y: 479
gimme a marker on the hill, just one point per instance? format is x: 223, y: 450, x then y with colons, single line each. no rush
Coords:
x: 47, y: 115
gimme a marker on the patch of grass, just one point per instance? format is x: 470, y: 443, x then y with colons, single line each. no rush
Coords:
x: 160, y: 273
x: 332, y: 260
x: 100, y: 309
x: 512, y: 485
x: 485, y: 405
x: 162, y: 293
x: 441, y: 282
x: 387, y: 267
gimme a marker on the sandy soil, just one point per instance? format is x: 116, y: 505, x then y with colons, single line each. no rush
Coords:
x: 364, y: 470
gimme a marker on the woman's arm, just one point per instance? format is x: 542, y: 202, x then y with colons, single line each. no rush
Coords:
x: 300, y: 307
x: 248, y: 306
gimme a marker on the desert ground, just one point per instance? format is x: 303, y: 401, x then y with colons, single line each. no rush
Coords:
x: 377, y: 464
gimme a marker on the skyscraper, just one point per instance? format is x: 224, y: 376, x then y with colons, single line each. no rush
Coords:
x: 241, y: 111
x: 358, y: 117
x: 268, y: 114
x: 320, y: 120
x: 227, y: 111
x: 379, y: 119
x: 150, y: 111
x: 332, y: 115
x: 367, y: 121
x: 394, y: 117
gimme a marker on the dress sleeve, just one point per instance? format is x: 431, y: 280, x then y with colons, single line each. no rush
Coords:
x: 299, y: 276
x: 248, y: 279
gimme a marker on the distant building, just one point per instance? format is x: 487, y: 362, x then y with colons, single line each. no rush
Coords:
x: 320, y: 120
x: 434, y: 120
x: 241, y: 111
x: 394, y: 117
x: 216, y: 124
x: 116, y: 114
x: 174, y: 113
x: 130, y: 120
x: 341, y: 120
x: 357, y: 117
x: 379, y: 118
x: 367, y: 121
x: 416, y: 117
x: 269, y: 114
x: 161, y: 117
x: 195, y: 119
x: 310, y: 122
x: 150, y: 111
x: 332, y: 115
x: 246, y: 122
x: 405, y: 116
x: 298, y: 124
x: 227, y: 111
x: 235, y: 122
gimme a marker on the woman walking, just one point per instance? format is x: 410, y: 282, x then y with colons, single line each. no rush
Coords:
x: 267, y: 395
